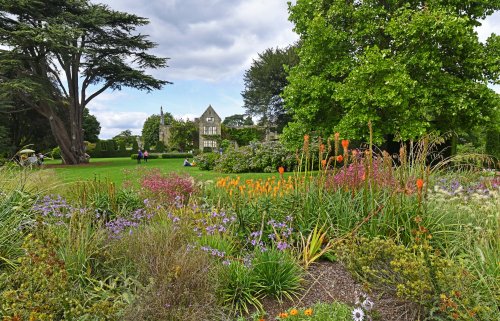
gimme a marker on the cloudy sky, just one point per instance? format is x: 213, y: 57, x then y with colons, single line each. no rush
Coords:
x: 210, y: 44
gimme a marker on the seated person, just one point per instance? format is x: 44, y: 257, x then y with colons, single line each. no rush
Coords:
x: 186, y: 162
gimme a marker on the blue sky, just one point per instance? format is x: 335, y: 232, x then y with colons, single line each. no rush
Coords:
x: 210, y: 44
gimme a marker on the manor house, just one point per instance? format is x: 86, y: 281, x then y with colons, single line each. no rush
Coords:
x: 209, y: 129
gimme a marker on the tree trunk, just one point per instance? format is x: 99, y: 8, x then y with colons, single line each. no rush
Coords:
x: 71, y: 145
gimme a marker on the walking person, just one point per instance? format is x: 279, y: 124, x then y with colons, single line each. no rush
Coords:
x: 146, y: 155
x: 139, y: 156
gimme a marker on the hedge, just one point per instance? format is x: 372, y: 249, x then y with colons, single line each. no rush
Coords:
x: 169, y: 155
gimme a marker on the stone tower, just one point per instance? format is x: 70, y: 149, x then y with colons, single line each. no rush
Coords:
x: 209, y: 125
x: 164, y: 129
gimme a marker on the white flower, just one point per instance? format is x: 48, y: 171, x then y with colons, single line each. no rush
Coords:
x: 367, y: 304
x: 358, y: 314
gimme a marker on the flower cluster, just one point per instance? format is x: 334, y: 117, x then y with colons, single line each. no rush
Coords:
x: 279, y: 237
x: 171, y: 189
x: 117, y: 226
x: 483, y: 189
x: 55, y: 209
x: 213, y: 223
x: 254, y: 188
x: 364, y: 306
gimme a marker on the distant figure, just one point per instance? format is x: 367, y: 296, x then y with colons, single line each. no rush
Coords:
x: 146, y: 155
x: 186, y: 162
x: 40, y: 159
x: 139, y: 156
x: 221, y: 150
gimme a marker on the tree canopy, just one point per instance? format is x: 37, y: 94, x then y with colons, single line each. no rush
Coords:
x: 264, y: 84
x: 238, y: 120
x: 151, y: 130
x: 409, y: 67
x: 183, y: 134
x: 91, y: 127
x: 62, y: 54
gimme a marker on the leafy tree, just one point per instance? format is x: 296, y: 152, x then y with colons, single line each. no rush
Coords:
x: 125, y: 137
x: 264, y: 84
x: 64, y: 53
x: 238, y: 120
x: 151, y: 128
x: 409, y: 67
x: 183, y: 135
x: 242, y: 136
x: 91, y: 127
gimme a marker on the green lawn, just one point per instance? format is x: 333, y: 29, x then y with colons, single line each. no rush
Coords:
x: 114, y: 169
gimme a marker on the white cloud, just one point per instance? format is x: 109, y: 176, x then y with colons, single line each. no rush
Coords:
x: 490, y: 25
x: 211, y: 39
x: 112, y: 123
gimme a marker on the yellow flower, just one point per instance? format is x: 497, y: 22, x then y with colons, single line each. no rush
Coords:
x: 294, y: 312
x: 308, y: 311
x: 283, y: 315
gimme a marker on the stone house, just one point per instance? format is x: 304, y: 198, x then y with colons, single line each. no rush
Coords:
x: 209, y: 124
x: 209, y: 129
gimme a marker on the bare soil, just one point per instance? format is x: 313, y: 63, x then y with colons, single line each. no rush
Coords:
x: 327, y: 282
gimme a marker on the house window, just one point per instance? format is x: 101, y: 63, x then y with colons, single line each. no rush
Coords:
x: 209, y: 143
x: 209, y: 130
x: 210, y: 119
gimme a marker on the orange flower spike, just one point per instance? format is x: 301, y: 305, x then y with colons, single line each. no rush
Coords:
x: 306, y: 138
x: 281, y: 170
x: 294, y: 312
x: 323, y: 163
x: 420, y: 184
x: 340, y: 159
x: 345, y: 144
x: 308, y: 312
x: 322, y: 148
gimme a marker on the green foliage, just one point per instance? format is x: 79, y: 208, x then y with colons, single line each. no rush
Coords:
x: 109, y: 148
x: 15, y: 210
x: 91, y: 127
x: 151, y: 130
x: 493, y: 143
x: 237, y: 288
x: 277, y: 274
x: 417, y: 274
x: 160, y: 147
x: 177, y: 282
x: 238, y: 120
x: 183, y: 135
x: 126, y: 137
x: 257, y: 157
x: 243, y: 136
x: 176, y: 155
x: 56, y: 152
x: 206, y: 161
x: 366, y: 61
x: 264, y: 84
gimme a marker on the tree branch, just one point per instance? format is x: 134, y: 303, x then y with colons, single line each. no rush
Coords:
x: 84, y: 103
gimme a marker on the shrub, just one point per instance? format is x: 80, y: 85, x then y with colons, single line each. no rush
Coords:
x: 257, y: 157
x: 178, y: 280
x: 206, y: 161
x: 276, y: 274
x: 176, y: 155
x: 56, y: 152
x: 151, y: 156
x: 417, y: 274
x: 237, y: 288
